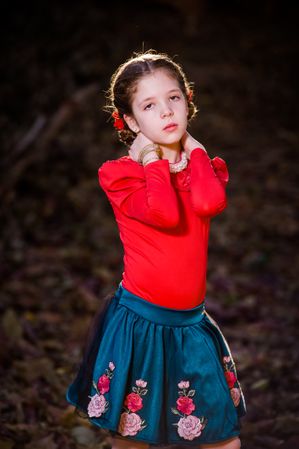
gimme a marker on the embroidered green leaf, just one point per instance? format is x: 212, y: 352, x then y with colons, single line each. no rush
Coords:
x: 143, y: 392
x: 175, y: 411
x: 95, y: 386
x: 135, y: 389
x: 191, y: 393
x: 181, y: 393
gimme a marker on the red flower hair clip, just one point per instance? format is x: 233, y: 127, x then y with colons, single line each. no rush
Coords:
x: 118, y: 121
x: 190, y: 95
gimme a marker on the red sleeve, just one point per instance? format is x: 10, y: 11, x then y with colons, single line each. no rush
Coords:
x: 146, y: 195
x: 208, y: 181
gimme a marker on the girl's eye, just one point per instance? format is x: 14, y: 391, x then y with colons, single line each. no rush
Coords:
x: 148, y: 106
x: 175, y: 97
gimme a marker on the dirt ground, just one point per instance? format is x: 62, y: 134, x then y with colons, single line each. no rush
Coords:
x: 60, y: 250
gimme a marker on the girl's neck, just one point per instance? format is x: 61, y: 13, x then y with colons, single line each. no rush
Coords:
x: 173, y: 154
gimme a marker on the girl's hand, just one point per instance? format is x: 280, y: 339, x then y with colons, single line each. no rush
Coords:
x: 189, y: 144
x: 140, y: 142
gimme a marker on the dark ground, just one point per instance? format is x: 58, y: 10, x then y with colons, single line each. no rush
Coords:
x: 60, y: 247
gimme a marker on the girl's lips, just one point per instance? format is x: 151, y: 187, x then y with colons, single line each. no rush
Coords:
x: 170, y: 127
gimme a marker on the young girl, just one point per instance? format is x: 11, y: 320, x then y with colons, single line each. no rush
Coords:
x: 157, y: 369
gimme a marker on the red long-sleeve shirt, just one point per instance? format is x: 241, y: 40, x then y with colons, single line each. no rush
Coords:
x: 163, y: 220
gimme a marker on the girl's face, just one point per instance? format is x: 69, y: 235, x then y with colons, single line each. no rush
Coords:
x: 159, y: 109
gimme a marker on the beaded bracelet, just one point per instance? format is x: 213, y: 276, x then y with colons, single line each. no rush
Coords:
x: 148, y: 148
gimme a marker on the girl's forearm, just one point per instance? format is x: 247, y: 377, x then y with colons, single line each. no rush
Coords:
x: 208, y: 195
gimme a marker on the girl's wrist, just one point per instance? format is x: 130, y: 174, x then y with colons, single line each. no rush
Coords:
x: 151, y: 156
x: 151, y: 150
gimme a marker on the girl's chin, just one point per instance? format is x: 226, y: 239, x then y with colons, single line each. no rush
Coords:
x: 172, y: 139
x: 176, y: 140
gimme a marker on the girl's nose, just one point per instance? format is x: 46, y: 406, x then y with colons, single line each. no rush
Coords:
x: 166, y: 111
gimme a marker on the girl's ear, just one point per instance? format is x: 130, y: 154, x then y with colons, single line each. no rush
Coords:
x: 131, y: 122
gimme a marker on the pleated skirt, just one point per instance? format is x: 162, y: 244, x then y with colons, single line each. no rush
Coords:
x: 158, y: 375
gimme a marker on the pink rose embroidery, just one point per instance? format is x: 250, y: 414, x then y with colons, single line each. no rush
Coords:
x: 185, y: 405
x: 131, y: 423
x: 141, y: 383
x: 98, y: 404
x: 103, y: 384
x: 189, y: 426
x: 133, y: 402
x: 184, y: 384
x: 111, y: 366
x: 236, y: 396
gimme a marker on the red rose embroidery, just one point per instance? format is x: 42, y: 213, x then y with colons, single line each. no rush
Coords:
x: 189, y: 426
x: 185, y: 405
x: 230, y: 378
x: 131, y: 423
x: 98, y: 403
x: 103, y: 384
x: 134, y: 402
x: 232, y: 381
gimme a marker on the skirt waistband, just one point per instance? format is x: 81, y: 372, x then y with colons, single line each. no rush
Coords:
x: 159, y: 314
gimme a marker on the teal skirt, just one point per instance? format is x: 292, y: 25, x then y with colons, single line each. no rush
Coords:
x: 158, y: 375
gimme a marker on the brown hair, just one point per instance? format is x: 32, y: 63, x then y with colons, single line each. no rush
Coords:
x: 124, y: 83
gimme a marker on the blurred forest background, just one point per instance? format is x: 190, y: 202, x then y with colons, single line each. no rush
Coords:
x: 60, y: 250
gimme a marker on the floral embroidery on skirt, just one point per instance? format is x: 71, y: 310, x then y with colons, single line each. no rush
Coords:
x: 189, y: 426
x: 231, y: 379
x: 208, y: 402
x: 98, y: 403
x: 130, y: 422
